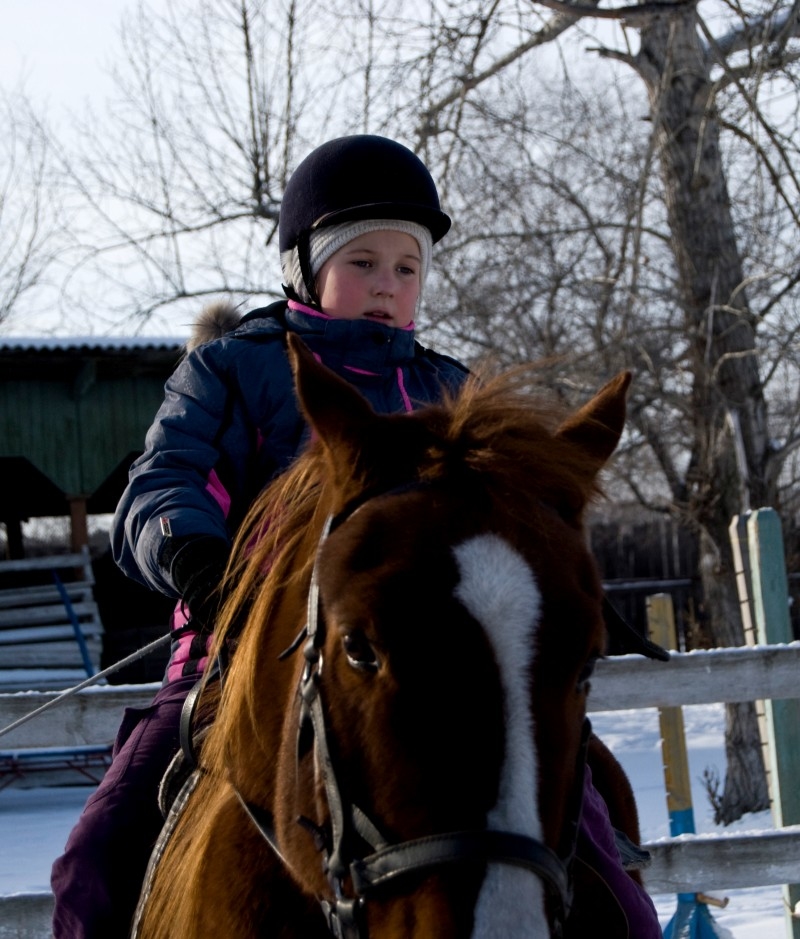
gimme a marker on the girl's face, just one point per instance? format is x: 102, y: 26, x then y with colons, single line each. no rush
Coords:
x: 375, y: 276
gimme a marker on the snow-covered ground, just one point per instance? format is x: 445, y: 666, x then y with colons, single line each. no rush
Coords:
x: 34, y: 823
x: 634, y: 736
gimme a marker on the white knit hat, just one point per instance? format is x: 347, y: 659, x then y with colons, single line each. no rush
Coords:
x: 325, y: 242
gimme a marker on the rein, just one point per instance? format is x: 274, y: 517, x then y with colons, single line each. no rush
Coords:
x: 387, y: 863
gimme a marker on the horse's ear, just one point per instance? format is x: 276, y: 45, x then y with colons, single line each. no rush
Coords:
x: 597, y: 426
x: 339, y: 414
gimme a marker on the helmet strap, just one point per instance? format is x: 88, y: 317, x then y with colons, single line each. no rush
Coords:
x: 304, y: 254
x: 291, y: 293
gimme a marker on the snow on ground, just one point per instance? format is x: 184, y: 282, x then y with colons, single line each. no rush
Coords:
x: 34, y: 823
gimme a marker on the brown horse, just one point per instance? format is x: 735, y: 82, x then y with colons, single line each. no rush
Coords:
x: 400, y: 736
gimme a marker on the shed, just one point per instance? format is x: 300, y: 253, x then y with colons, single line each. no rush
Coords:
x: 74, y: 413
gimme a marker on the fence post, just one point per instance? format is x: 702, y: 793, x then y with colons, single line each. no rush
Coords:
x: 771, y: 605
x: 692, y: 917
x: 737, y: 532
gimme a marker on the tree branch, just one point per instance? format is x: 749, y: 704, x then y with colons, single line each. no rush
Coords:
x: 761, y: 30
x: 634, y: 15
x: 428, y: 124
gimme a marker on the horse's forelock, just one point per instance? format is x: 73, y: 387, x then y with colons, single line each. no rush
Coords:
x: 505, y: 432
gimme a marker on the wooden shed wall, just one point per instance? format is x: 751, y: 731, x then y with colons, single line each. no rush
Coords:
x: 72, y: 420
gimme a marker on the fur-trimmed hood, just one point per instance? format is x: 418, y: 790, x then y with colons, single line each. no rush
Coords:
x: 215, y: 321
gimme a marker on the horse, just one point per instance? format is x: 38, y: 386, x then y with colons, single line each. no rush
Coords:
x: 399, y: 735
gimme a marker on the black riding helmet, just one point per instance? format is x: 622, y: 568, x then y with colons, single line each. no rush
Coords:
x: 362, y: 176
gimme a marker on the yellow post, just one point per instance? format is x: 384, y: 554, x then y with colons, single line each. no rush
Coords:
x: 661, y: 624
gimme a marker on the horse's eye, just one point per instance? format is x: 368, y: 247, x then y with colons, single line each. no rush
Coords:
x: 360, y: 653
x: 586, y: 673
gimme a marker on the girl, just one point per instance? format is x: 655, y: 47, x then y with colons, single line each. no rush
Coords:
x: 358, y: 221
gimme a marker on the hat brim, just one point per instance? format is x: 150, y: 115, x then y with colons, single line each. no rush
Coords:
x: 437, y: 222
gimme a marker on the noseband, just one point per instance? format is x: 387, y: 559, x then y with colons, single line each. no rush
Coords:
x: 384, y: 863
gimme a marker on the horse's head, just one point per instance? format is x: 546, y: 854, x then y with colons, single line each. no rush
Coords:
x: 458, y: 618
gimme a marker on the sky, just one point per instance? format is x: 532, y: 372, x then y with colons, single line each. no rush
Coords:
x: 61, y: 56
x: 36, y: 822
x: 59, y: 51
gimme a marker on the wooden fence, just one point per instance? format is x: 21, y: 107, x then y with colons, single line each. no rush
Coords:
x: 686, y: 865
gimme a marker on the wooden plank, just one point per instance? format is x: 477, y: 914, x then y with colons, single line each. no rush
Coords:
x: 737, y: 532
x: 47, y: 563
x: 44, y: 593
x: 687, y: 865
x: 47, y: 633
x: 84, y: 719
x: 48, y: 767
x: 702, y: 677
x: 661, y: 624
x: 619, y: 684
x: 26, y: 916
x: 33, y: 655
x: 16, y: 681
x: 47, y: 655
x: 699, y: 863
x: 771, y: 603
x: 32, y: 616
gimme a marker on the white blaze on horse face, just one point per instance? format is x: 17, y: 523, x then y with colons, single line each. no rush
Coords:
x: 499, y: 590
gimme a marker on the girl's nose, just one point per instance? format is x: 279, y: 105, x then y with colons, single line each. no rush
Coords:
x: 384, y: 283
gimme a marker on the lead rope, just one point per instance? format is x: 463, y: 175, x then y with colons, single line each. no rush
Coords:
x: 88, y: 682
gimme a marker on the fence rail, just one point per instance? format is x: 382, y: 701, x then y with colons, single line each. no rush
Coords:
x: 687, y: 864
x: 747, y: 674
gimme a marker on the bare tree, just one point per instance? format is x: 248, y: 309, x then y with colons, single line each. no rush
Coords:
x: 699, y: 88
x: 641, y: 211
x: 180, y: 181
x: 30, y: 217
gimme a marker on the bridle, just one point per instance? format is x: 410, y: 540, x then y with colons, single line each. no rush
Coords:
x: 385, y: 863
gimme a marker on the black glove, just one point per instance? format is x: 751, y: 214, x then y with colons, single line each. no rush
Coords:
x: 197, y: 570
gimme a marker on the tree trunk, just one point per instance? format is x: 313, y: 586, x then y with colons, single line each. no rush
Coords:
x: 726, y: 387
x: 745, y: 788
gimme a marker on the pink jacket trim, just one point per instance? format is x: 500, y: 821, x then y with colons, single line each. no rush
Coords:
x: 219, y: 492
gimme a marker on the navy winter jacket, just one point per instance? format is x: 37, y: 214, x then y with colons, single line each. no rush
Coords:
x: 230, y: 422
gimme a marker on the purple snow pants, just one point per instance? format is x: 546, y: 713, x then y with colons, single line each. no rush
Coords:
x: 596, y: 846
x: 97, y: 879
